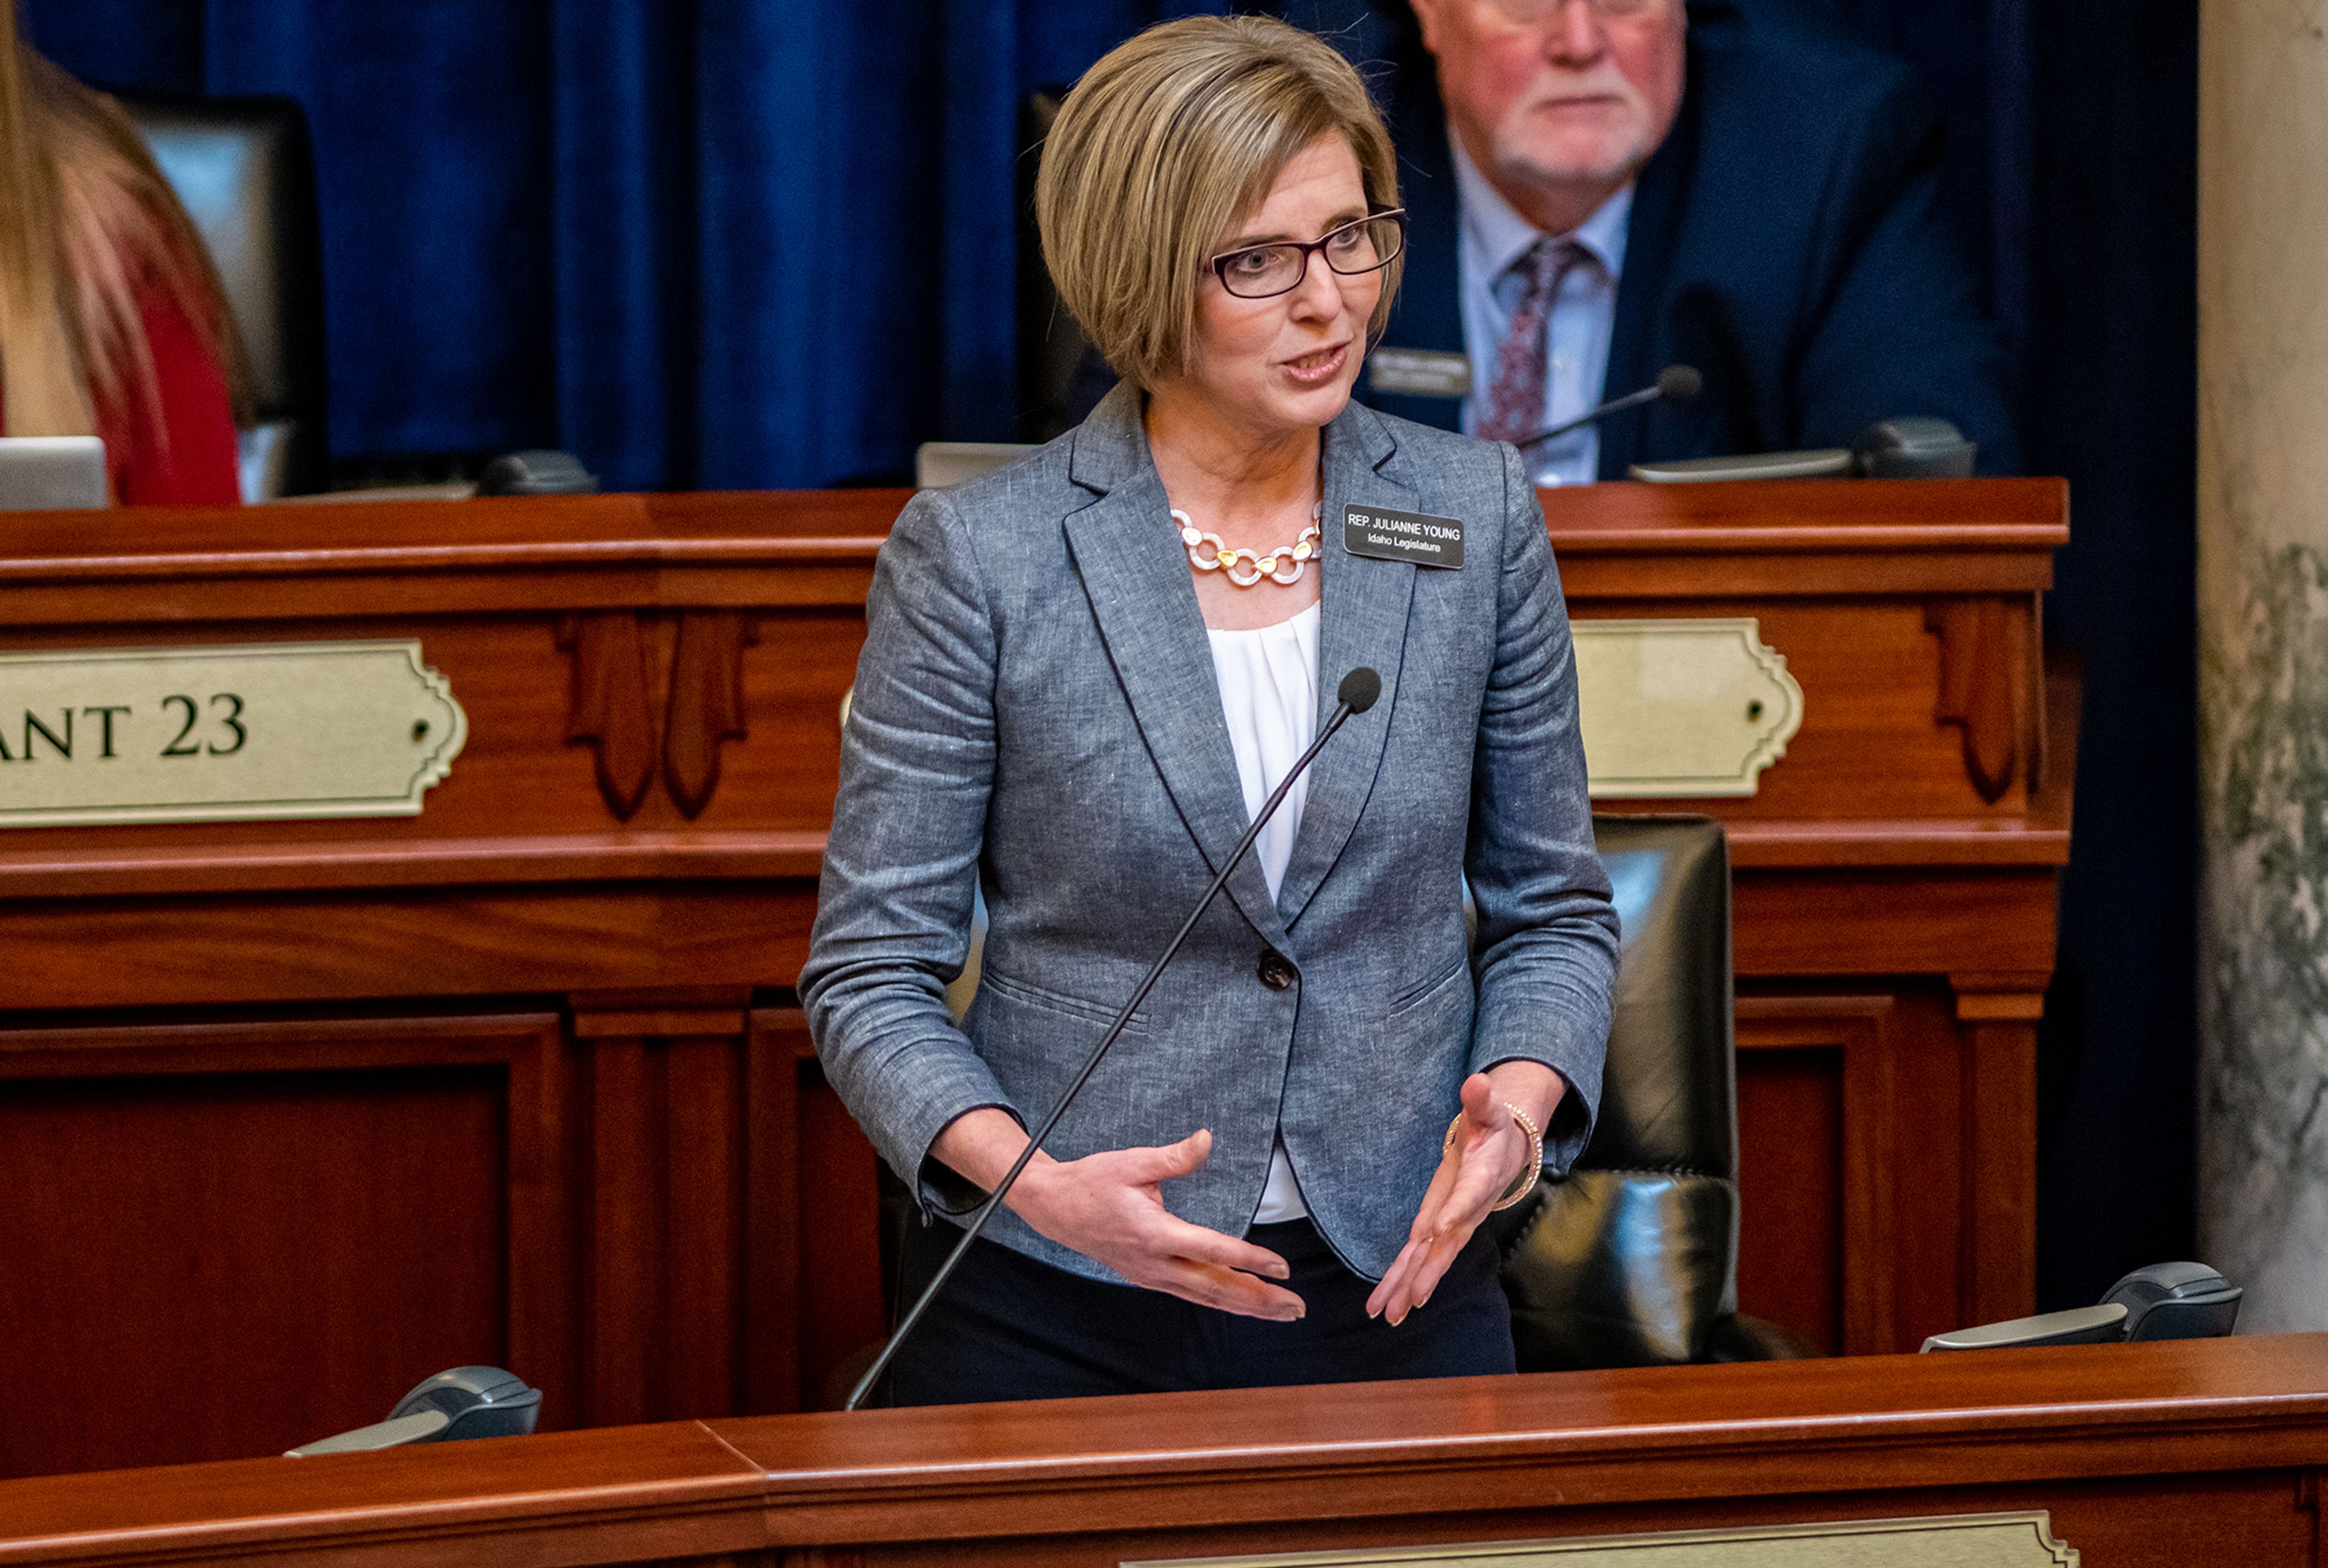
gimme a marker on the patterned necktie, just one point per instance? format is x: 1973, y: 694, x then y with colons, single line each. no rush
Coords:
x: 1516, y: 402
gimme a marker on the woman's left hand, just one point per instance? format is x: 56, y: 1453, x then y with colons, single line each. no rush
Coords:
x: 1488, y: 1152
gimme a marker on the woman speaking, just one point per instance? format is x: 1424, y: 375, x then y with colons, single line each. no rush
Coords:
x: 1083, y: 673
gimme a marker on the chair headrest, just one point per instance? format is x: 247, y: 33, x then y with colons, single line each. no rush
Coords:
x: 244, y: 171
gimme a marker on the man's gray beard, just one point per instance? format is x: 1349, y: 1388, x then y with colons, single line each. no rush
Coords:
x: 1520, y: 170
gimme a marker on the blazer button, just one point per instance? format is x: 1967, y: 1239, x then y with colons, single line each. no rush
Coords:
x: 1276, y: 970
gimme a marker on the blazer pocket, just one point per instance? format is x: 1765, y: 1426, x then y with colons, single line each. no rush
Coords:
x: 1073, y: 1007
x: 1421, y: 995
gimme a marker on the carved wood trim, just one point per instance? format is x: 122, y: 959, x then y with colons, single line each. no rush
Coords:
x: 2041, y: 741
x: 2008, y: 997
x: 1983, y: 666
x: 707, y: 703
x: 608, y: 705
x: 611, y: 705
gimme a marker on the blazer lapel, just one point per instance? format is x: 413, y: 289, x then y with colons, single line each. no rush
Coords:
x: 1135, y: 573
x: 1362, y: 622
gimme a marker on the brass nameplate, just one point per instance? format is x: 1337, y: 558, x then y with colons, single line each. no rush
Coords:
x: 222, y: 733
x: 1962, y: 1540
x: 1682, y: 709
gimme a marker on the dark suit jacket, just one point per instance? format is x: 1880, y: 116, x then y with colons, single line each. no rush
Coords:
x: 1787, y: 239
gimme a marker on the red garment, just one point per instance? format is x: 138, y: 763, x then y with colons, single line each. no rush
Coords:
x: 197, y: 465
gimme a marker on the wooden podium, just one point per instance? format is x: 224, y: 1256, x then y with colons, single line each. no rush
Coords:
x: 293, y: 1113
x: 2137, y: 1456
x: 1895, y: 875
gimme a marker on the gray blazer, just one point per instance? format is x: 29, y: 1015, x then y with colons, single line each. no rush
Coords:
x: 1035, y: 714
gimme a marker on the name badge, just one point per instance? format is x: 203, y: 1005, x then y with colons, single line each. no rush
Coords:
x: 1401, y: 535
x: 1419, y: 372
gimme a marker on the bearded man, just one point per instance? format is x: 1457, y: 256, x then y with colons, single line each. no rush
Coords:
x: 1599, y: 188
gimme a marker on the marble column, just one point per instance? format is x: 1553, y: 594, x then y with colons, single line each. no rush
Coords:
x: 2263, y: 638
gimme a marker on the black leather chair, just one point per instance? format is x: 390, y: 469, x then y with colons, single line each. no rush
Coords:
x: 1632, y: 1258
x: 245, y: 172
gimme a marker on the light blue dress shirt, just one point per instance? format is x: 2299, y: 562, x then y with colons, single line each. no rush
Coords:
x: 1494, y: 237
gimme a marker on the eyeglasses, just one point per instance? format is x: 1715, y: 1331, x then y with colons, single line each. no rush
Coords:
x: 1364, y: 245
x: 1531, y: 13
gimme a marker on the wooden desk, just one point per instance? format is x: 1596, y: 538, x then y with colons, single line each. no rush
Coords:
x: 2171, y: 1454
x: 293, y: 1114
x: 1895, y: 875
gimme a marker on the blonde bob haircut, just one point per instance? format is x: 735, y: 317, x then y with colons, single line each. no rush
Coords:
x: 1162, y: 145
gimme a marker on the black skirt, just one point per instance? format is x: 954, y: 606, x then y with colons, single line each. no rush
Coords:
x: 1007, y: 1327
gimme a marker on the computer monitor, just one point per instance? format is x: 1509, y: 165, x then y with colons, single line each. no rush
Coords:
x: 52, y: 472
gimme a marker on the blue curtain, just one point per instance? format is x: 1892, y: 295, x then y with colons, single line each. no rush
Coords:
x: 1977, y: 57
x: 701, y: 243
x: 714, y: 243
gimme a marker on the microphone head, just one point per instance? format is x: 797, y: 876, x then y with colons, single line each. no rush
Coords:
x: 1679, y: 383
x: 1359, y: 689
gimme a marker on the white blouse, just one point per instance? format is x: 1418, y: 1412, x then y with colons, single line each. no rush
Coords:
x: 1269, y: 692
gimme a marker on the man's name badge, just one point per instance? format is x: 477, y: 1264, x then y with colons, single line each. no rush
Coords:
x: 1401, y: 535
x: 1419, y: 372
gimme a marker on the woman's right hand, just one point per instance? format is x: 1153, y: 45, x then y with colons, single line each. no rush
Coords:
x: 1110, y: 1208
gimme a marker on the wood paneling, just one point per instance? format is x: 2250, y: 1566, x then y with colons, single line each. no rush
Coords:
x: 2166, y: 1454
x: 666, y: 1289
x: 842, y: 1301
x: 1791, y: 1226
x: 2000, y: 1180
x: 2244, y: 1518
x: 533, y: 763
x: 619, y: 1495
x: 1818, y: 1088
x: 776, y: 1261
x: 233, y: 1239
x: 644, y: 1191
x: 1890, y: 921
x: 1871, y: 746
x: 818, y: 1309
x: 221, y: 949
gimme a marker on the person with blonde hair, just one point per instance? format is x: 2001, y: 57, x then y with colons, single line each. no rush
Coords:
x: 112, y: 323
x: 1081, y: 677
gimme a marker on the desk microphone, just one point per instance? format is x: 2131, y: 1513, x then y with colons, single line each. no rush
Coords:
x: 1357, y: 693
x: 1675, y: 384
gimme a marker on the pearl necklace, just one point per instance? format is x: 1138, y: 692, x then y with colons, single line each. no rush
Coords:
x: 1207, y: 553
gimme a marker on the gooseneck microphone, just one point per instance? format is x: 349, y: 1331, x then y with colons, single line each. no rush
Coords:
x: 1675, y: 384
x: 1358, y: 692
